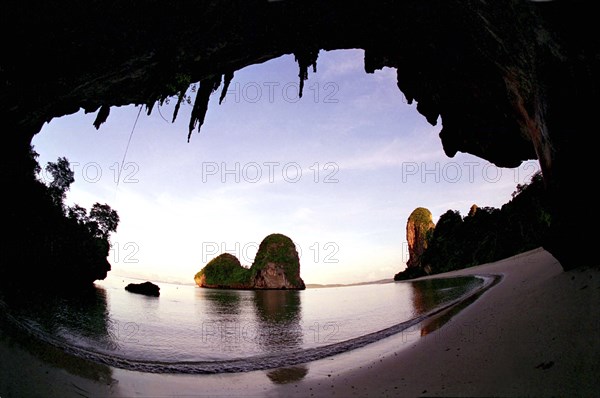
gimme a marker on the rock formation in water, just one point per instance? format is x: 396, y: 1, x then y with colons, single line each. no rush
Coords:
x: 146, y: 288
x: 225, y: 272
x: 276, y: 266
x: 418, y: 230
x: 509, y: 80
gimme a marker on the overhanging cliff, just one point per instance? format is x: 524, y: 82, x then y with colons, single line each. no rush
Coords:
x: 511, y: 80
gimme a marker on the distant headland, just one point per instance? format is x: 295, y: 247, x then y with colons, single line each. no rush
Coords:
x: 485, y: 235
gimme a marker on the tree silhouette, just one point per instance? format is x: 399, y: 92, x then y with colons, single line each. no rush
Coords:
x: 78, y: 214
x: 62, y: 178
x: 488, y: 234
x: 50, y: 244
x: 106, y: 218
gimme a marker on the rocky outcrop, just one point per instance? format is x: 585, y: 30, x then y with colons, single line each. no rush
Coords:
x: 272, y: 276
x: 510, y: 80
x: 146, y: 288
x: 418, y: 230
x: 224, y: 272
x: 473, y: 210
x: 276, y: 266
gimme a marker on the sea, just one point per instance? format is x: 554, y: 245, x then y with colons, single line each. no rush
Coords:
x: 188, y: 329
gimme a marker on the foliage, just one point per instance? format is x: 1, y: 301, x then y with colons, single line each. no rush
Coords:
x: 62, y: 178
x: 488, y: 234
x: 441, y: 244
x: 224, y: 270
x: 78, y: 214
x: 279, y: 249
x: 106, y: 218
x: 51, y: 245
x: 33, y: 165
x: 62, y: 175
x: 420, y: 216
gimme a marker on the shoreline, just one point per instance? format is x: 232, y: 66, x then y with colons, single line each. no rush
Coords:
x: 534, y: 333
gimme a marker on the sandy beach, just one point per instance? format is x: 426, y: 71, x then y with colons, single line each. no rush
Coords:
x: 536, y: 332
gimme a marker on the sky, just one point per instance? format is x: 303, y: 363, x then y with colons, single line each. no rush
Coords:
x: 338, y: 171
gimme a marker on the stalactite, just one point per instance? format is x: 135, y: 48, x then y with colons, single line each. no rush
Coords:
x: 101, y: 116
x: 180, y: 98
x: 207, y: 87
x: 407, y: 94
x: 305, y: 58
x: 227, y: 77
x: 149, y: 107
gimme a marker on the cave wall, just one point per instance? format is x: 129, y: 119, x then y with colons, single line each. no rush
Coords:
x: 509, y: 80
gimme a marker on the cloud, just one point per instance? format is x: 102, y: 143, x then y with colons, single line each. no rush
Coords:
x: 396, y: 152
x: 339, y: 63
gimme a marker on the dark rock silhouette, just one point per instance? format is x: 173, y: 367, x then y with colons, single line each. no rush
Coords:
x: 510, y: 80
x: 146, y: 288
x: 50, y: 245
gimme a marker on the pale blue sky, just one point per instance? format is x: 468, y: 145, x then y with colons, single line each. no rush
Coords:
x: 366, y: 159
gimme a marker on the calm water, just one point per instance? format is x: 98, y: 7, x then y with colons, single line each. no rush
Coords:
x: 193, y: 330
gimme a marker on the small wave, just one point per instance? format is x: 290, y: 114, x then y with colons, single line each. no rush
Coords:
x: 262, y: 362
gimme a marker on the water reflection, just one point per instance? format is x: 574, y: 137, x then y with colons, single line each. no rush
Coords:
x: 70, y: 318
x: 223, y: 302
x: 279, y: 316
x: 288, y: 375
x: 238, y: 324
x: 427, y: 294
x: 231, y: 330
x: 222, y: 329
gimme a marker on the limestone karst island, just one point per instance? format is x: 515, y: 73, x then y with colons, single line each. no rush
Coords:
x: 276, y: 266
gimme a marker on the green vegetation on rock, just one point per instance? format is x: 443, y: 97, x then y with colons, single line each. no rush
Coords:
x: 276, y: 266
x: 280, y: 249
x: 419, y: 228
x: 421, y: 217
x: 224, y: 270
